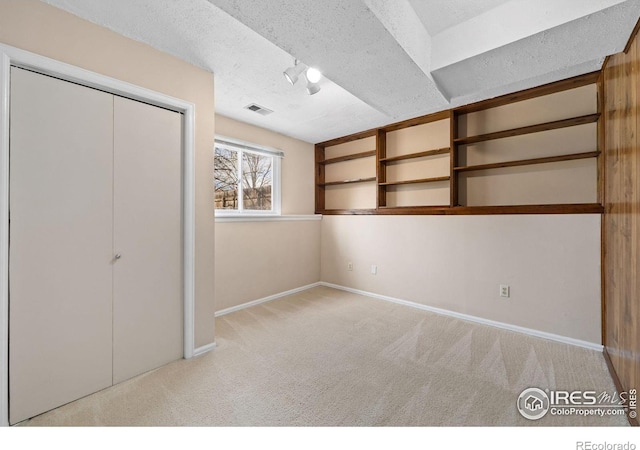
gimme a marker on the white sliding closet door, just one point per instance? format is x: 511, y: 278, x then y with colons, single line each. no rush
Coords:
x: 60, y: 282
x: 147, y: 302
x: 95, y: 263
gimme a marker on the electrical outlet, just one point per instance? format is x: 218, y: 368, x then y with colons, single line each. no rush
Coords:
x: 504, y: 290
x: 350, y: 266
x: 374, y: 270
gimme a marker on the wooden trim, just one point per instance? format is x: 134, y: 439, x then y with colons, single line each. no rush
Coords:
x: 573, y: 208
x: 631, y: 38
x: 319, y: 178
x: 601, y: 133
x: 634, y: 422
x: 348, y: 157
x: 453, y: 159
x: 420, y: 180
x: 603, y: 278
x: 601, y: 173
x: 349, y: 138
x: 439, y: 151
x: 381, y: 170
x: 435, y: 117
x: 564, y: 123
x: 355, y: 180
x: 527, y: 162
x: 539, y: 91
x: 349, y: 212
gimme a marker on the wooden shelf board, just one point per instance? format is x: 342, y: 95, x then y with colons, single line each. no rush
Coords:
x: 438, y: 151
x: 420, y: 180
x: 527, y: 162
x: 349, y: 138
x: 565, y: 123
x: 351, y: 212
x: 357, y: 180
x: 434, y: 117
x: 551, y: 88
x: 348, y: 157
x: 572, y: 208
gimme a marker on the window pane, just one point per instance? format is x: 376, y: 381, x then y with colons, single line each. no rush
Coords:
x: 257, y: 171
x: 226, y: 179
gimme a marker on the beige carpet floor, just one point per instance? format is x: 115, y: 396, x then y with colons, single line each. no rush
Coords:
x: 327, y: 357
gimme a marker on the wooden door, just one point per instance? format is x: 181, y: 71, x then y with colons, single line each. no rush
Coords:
x: 147, y: 302
x: 60, y: 276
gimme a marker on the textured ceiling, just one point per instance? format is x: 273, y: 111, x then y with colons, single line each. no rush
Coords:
x: 383, y: 61
x: 438, y: 15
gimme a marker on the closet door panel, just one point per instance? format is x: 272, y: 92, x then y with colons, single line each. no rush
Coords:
x: 61, y: 168
x: 148, y: 235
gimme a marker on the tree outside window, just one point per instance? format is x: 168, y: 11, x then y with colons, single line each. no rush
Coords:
x: 252, y: 172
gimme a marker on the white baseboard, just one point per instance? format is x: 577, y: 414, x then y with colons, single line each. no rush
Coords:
x: 222, y: 312
x: 443, y: 312
x: 204, y: 349
x: 469, y: 318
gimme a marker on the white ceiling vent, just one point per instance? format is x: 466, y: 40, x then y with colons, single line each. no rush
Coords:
x: 259, y: 109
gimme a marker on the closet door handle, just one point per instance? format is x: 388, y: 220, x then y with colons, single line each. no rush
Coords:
x: 118, y: 256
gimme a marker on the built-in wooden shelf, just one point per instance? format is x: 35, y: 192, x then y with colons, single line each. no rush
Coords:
x: 349, y: 157
x: 527, y: 162
x: 439, y: 151
x: 357, y: 180
x: 456, y: 151
x: 420, y: 180
x: 565, y: 123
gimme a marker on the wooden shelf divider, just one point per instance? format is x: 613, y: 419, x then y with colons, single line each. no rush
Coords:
x: 527, y: 162
x: 439, y: 151
x: 357, y: 180
x: 381, y: 169
x: 420, y: 180
x: 349, y: 157
x: 565, y: 123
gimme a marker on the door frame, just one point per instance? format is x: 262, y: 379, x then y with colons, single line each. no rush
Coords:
x: 11, y: 56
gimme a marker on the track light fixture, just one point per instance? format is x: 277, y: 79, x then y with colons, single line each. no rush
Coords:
x: 293, y: 72
x: 311, y: 74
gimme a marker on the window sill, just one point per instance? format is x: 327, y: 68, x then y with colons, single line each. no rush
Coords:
x: 264, y: 218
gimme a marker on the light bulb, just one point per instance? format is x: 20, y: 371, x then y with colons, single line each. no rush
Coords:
x: 313, y: 75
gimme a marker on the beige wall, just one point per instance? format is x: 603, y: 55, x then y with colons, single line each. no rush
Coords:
x: 551, y: 262
x: 259, y: 259
x: 36, y: 27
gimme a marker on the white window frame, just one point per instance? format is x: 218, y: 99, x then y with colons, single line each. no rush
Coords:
x: 247, y: 147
